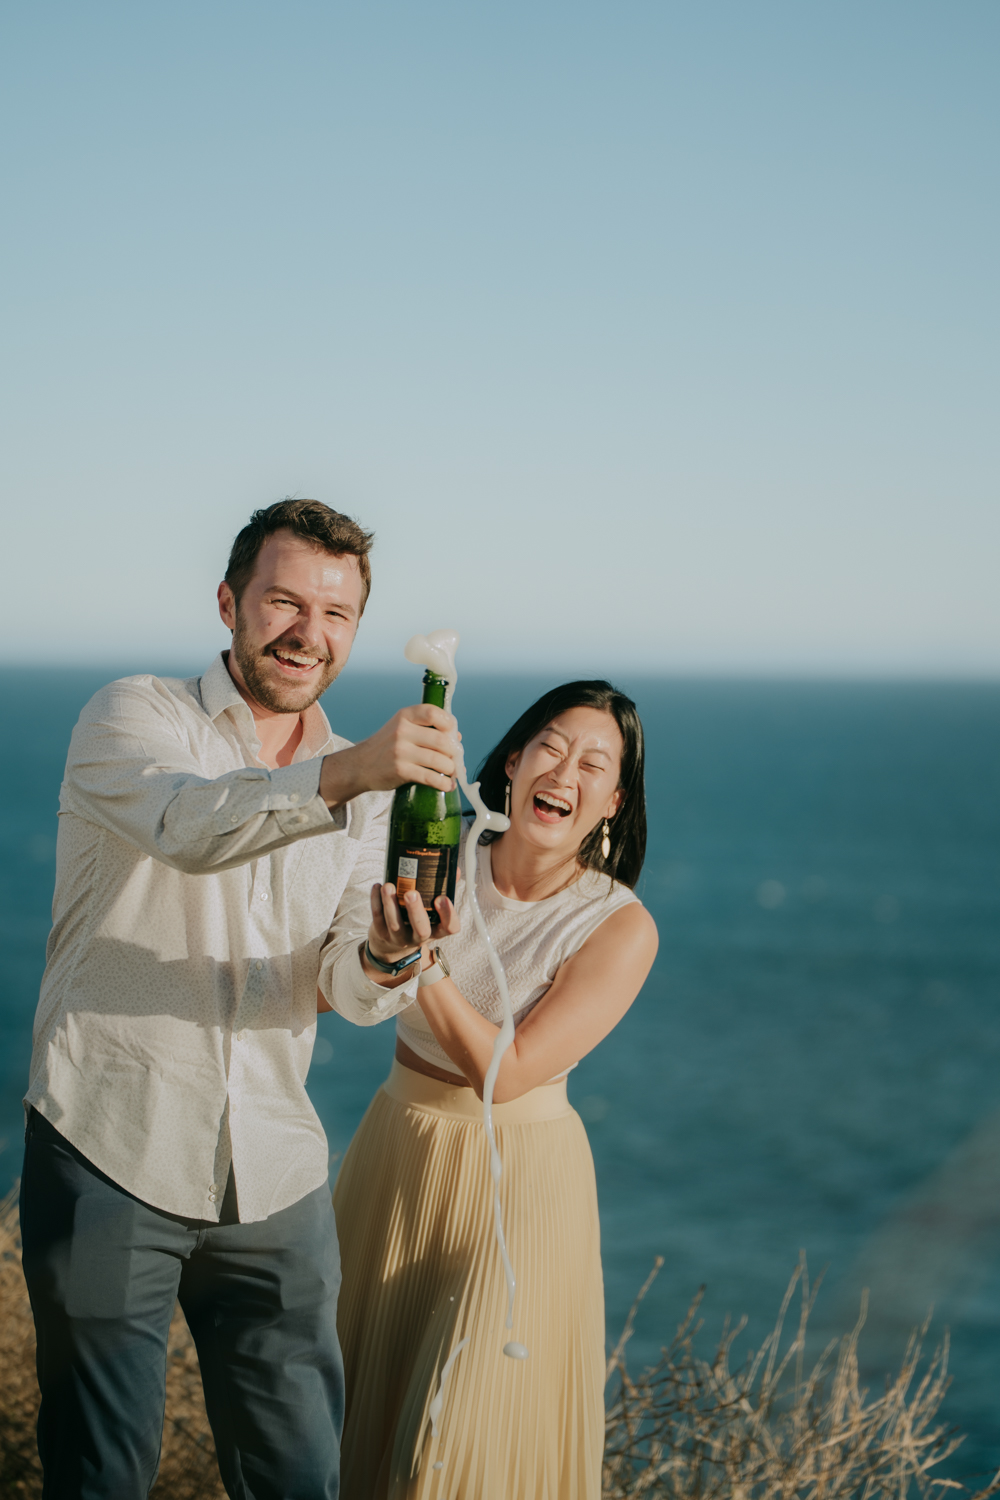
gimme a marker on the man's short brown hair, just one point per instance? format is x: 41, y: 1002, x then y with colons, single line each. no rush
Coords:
x: 311, y: 520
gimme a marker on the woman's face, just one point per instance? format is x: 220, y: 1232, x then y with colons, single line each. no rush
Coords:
x: 565, y: 780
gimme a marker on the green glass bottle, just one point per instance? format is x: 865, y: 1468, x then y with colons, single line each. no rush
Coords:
x: 425, y: 828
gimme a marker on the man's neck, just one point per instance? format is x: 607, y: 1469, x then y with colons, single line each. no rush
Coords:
x: 280, y: 734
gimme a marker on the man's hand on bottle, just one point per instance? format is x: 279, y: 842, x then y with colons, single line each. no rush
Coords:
x: 390, y: 941
x: 417, y: 744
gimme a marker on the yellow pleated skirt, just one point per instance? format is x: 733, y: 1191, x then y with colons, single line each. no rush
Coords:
x: 422, y: 1271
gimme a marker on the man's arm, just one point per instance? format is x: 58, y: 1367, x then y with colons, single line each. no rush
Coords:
x: 343, y: 984
x: 130, y: 770
x: 415, y: 745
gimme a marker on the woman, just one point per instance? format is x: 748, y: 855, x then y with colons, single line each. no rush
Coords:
x: 414, y: 1196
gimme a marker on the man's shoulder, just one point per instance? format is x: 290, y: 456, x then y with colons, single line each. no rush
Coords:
x: 142, y: 693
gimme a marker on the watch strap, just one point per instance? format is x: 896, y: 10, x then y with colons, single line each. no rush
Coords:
x: 438, y: 970
x: 392, y: 969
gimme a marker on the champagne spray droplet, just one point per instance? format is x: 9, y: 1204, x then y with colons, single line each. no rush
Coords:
x: 434, y: 1410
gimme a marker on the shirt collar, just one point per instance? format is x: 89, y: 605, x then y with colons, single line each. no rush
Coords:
x: 219, y: 693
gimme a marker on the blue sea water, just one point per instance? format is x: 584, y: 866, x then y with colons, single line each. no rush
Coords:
x: 814, y: 1062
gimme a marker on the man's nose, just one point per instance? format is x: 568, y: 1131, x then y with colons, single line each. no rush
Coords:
x: 309, y: 625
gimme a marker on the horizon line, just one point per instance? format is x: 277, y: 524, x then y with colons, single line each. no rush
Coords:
x: 182, y: 666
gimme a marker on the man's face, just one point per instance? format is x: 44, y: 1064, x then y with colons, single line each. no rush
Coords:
x: 295, y: 623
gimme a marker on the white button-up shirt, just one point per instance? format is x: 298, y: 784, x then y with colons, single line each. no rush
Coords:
x: 198, y: 897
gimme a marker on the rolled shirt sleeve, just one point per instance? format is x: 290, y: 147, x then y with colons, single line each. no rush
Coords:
x: 342, y: 981
x: 131, y: 771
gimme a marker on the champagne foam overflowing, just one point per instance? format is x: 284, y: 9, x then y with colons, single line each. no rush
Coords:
x: 436, y: 652
x: 434, y: 1410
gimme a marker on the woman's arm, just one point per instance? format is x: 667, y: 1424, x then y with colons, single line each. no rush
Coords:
x: 587, y: 999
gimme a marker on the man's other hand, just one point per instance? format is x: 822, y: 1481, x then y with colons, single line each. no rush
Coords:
x: 417, y: 744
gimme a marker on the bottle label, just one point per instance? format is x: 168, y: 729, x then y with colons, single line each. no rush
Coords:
x: 424, y: 870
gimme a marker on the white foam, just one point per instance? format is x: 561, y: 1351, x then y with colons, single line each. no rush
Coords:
x: 437, y: 652
x: 434, y: 1410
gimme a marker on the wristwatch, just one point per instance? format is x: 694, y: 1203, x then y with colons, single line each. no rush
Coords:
x: 438, y: 970
x: 394, y: 970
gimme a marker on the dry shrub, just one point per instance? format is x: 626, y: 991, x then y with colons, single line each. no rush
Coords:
x: 694, y: 1429
x: 687, y: 1428
x: 20, y: 1471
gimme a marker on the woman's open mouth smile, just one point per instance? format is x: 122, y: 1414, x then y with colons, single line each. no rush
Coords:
x: 550, y: 809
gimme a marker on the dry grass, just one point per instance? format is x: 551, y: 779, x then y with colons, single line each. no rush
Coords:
x: 688, y: 1428
x: 694, y: 1429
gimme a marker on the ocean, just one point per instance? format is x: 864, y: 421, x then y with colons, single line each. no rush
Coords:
x: 814, y: 1063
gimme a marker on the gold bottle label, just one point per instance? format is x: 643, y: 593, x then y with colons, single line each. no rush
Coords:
x: 424, y: 870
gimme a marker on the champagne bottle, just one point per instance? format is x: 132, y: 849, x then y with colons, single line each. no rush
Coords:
x: 425, y: 828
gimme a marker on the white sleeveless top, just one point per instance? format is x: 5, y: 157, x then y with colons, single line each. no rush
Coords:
x: 533, y: 939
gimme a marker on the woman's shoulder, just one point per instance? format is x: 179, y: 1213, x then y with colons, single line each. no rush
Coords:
x: 624, y: 927
x: 597, y: 887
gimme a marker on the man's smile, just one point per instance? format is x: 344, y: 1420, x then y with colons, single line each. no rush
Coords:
x: 295, y: 663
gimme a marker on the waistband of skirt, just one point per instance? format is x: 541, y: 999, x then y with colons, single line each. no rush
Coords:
x: 548, y: 1102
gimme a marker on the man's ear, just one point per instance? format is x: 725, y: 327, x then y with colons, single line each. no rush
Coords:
x: 227, y: 605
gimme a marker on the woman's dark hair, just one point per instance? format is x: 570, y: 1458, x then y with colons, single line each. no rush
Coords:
x: 628, y: 827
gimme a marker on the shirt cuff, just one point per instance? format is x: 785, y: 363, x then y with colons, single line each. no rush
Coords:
x: 371, y: 1002
x: 295, y: 801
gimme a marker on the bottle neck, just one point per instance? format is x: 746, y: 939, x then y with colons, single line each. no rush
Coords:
x: 435, y: 689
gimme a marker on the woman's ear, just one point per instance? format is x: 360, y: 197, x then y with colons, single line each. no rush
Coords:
x: 614, y: 804
x: 512, y: 761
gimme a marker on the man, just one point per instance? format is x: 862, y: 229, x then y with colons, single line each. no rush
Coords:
x: 214, y: 837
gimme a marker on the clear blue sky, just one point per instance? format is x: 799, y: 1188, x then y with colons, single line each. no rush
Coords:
x: 686, y: 313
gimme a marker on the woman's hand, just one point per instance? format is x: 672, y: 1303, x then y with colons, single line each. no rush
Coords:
x: 389, y: 940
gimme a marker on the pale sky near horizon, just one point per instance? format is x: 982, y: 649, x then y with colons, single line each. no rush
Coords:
x: 687, y: 315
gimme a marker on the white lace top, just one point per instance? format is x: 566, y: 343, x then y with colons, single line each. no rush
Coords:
x: 533, y: 938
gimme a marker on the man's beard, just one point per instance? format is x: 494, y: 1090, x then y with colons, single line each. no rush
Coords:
x: 279, y: 697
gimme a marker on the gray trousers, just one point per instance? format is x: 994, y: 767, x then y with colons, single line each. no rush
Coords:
x: 104, y: 1271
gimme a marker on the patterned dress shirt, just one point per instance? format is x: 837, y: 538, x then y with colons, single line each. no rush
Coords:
x: 198, y: 895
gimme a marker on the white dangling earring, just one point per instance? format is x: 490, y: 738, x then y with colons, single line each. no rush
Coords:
x: 506, y: 802
x: 605, y: 841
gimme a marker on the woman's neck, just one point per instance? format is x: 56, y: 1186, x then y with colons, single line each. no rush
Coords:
x: 525, y: 874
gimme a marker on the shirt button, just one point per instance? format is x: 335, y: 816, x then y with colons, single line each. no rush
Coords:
x: 234, y: 818
x: 259, y: 965
x: 211, y: 1193
x: 241, y: 1036
x: 294, y: 798
x: 263, y: 895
